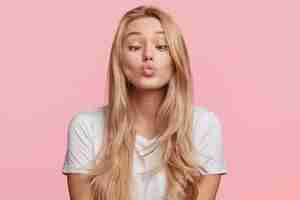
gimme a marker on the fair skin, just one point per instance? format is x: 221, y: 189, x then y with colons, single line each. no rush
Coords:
x: 208, y: 187
x: 147, y: 94
x: 143, y: 38
x: 78, y: 186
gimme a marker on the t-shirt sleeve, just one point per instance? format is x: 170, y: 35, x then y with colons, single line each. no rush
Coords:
x: 79, y: 151
x: 209, y: 143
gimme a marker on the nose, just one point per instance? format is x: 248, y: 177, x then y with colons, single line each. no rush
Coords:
x: 148, y: 54
x: 148, y: 58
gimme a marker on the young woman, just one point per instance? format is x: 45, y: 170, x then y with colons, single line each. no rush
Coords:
x: 149, y: 142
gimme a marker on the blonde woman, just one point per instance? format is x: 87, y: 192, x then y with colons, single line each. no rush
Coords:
x: 149, y: 142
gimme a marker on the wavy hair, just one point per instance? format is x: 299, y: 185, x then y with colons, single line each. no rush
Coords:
x: 111, y: 177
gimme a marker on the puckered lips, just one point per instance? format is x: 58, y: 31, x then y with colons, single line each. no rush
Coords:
x: 148, y: 70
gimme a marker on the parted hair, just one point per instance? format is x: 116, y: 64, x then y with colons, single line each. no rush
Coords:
x: 111, y: 177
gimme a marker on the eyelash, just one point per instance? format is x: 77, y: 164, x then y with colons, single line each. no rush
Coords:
x: 137, y: 47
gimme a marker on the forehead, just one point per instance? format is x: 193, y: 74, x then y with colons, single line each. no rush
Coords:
x: 146, y: 26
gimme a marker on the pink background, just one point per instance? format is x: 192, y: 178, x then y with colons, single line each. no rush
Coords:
x: 54, y: 56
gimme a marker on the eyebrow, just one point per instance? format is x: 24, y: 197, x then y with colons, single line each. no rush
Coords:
x: 139, y: 33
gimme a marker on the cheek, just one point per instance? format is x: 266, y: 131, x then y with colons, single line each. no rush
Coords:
x: 129, y: 71
x: 129, y: 62
x: 164, y: 59
x: 168, y: 71
x: 168, y: 65
x: 131, y: 59
x: 130, y: 67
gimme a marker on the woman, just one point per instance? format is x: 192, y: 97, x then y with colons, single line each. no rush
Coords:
x: 149, y: 142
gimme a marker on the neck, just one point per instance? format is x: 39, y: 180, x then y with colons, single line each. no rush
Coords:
x: 146, y: 103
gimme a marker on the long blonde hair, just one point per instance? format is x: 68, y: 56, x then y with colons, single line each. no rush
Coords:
x: 111, y: 177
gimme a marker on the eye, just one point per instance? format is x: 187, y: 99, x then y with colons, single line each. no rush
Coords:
x: 134, y: 48
x: 163, y: 47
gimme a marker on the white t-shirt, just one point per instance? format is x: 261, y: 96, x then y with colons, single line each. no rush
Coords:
x: 84, y: 136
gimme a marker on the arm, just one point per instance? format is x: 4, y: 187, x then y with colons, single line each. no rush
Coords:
x: 208, y: 187
x: 209, y: 143
x: 78, y: 157
x: 78, y: 187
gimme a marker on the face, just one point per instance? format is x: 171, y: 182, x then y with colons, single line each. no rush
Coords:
x: 145, y: 54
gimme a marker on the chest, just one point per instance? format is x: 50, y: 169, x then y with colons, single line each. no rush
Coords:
x: 147, y: 186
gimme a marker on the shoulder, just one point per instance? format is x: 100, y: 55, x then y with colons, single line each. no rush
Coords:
x: 205, y: 115
x: 205, y: 119
x: 86, y: 128
x: 208, y: 141
x: 89, y: 116
x: 89, y: 120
